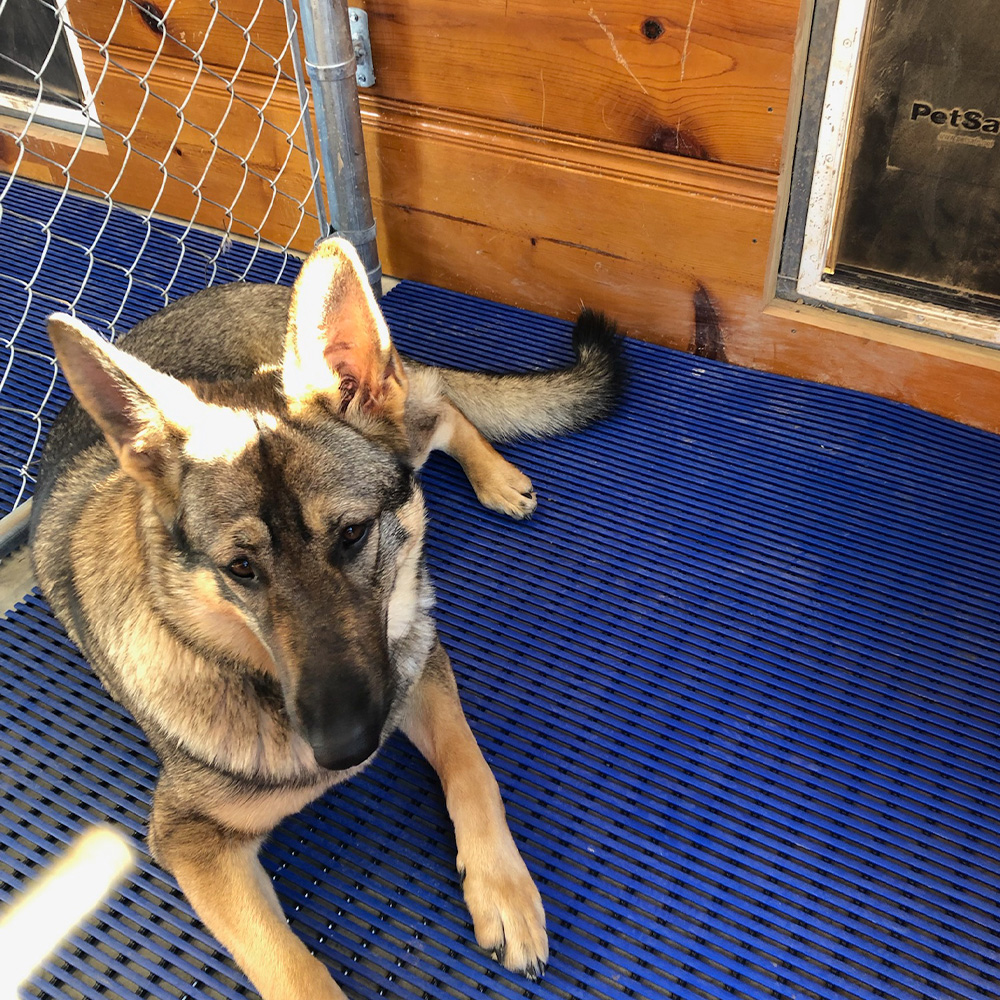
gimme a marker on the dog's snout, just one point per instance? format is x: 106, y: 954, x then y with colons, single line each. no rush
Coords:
x: 342, y: 719
x: 338, y: 745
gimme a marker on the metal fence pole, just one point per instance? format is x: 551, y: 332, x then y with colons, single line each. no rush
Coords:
x: 331, y: 65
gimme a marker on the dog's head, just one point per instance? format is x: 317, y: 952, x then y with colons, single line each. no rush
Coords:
x: 283, y: 523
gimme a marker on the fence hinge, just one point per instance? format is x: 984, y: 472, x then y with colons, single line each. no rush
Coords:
x: 362, y: 47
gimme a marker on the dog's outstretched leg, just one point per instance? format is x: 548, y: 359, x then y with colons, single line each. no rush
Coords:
x: 219, y: 873
x: 499, y: 485
x: 506, y: 908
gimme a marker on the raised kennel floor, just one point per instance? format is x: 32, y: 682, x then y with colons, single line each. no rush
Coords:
x: 736, y: 679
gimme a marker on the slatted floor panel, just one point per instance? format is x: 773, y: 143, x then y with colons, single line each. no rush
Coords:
x: 736, y: 679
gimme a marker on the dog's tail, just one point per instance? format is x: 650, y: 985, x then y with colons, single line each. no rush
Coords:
x: 546, y: 403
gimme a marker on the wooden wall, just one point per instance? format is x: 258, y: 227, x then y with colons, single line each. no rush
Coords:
x: 540, y: 152
x: 631, y: 156
x: 619, y: 154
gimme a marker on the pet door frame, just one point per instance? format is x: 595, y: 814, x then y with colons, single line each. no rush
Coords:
x: 819, y: 174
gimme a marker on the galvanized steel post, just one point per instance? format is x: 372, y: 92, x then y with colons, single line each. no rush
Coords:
x: 331, y: 65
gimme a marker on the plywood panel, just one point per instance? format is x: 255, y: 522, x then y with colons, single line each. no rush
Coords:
x: 700, y: 77
x: 678, y: 256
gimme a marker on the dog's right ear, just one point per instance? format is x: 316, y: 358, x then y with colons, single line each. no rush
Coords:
x: 338, y: 351
x: 132, y: 403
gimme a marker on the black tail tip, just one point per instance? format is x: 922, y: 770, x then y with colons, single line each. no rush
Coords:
x: 597, y: 338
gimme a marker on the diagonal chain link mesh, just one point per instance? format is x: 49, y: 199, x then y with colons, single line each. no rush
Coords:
x: 189, y: 124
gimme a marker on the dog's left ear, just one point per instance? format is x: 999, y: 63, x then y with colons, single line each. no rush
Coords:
x: 337, y: 350
x: 145, y: 415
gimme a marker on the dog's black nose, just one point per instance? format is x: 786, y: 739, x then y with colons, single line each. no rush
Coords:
x: 341, y: 720
x: 347, y: 744
x: 345, y: 692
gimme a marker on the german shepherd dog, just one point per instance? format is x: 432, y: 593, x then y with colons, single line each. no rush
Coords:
x: 228, y: 524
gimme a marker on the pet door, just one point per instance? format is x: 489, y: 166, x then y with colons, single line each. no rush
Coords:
x: 895, y: 211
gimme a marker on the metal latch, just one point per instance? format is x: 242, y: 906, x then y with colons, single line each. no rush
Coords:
x: 362, y: 46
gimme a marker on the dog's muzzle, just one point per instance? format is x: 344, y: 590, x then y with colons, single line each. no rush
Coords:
x: 342, y: 720
x: 344, y: 744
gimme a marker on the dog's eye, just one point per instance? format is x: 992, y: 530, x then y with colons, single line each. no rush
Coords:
x: 354, y: 534
x: 241, y: 569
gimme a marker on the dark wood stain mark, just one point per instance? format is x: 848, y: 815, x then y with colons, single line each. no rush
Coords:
x: 680, y: 142
x: 409, y: 209
x: 581, y: 246
x: 651, y: 28
x: 709, y: 339
x: 151, y: 15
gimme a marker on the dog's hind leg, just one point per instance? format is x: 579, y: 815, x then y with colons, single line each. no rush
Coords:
x: 220, y: 874
x: 499, y: 485
x: 506, y: 908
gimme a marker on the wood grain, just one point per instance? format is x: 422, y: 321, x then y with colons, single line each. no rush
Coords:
x: 220, y: 161
x: 245, y: 35
x: 547, y: 222
x: 703, y: 77
x: 543, y: 224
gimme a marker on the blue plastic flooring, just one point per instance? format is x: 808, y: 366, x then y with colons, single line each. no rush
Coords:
x: 737, y: 680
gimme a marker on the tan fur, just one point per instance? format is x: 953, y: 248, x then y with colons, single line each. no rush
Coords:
x: 324, y: 361
x: 405, y: 602
x: 259, y: 814
x: 240, y: 557
x: 225, y: 883
x: 499, y: 485
x: 506, y: 909
x: 190, y: 698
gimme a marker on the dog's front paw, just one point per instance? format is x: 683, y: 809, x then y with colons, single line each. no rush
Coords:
x: 507, y: 912
x: 505, y: 488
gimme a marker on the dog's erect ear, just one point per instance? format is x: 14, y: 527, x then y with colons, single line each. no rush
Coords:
x: 141, y: 411
x: 338, y: 351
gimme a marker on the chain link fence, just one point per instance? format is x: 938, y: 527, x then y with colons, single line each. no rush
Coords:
x: 146, y: 151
